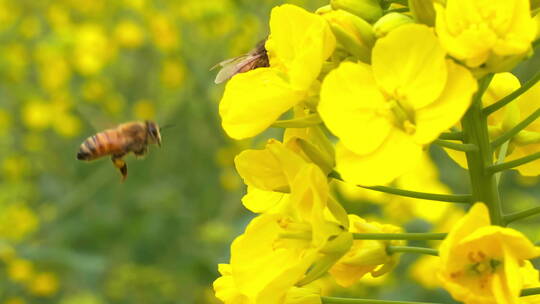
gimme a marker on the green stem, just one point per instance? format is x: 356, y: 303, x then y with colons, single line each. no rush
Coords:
x: 530, y: 291
x: 514, y: 163
x: 301, y: 122
x: 399, y: 236
x: 411, y: 249
x: 451, y: 135
x: 451, y: 198
x: 515, y: 130
x: 456, y: 146
x: 397, y: 10
x: 507, y: 99
x: 475, y: 131
x: 512, y: 217
x: 334, y: 300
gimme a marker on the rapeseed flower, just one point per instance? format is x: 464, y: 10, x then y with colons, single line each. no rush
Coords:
x: 384, y: 114
x: 298, y: 44
x: 485, y: 32
x: 481, y: 263
x: 365, y: 256
x: 280, y: 247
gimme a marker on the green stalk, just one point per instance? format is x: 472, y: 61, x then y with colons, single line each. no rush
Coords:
x: 399, y: 236
x: 475, y: 131
x: 301, y: 122
x: 456, y: 146
x: 451, y: 135
x: 513, y: 163
x: 512, y: 217
x: 334, y: 300
x: 450, y: 198
x: 411, y: 249
x: 530, y: 291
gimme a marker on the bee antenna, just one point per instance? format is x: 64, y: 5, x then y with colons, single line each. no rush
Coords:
x: 167, y: 127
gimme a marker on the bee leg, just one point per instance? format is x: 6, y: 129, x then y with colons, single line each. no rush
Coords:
x: 119, y: 163
x: 140, y: 152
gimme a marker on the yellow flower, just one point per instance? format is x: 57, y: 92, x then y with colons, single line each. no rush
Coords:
x: 481, y: 263
x: 276, y: 250
x: 17, y: 221
x: 479, y: 32
x: 164, y: 32
x: 385, y: 113
x: 144, y: 109
x: 298, y: 44
x: 365, y: 256
x: 36, y: 114
x: 92, y: 49
x: 129, y: 34
x: 44, y: 284
x: 526, y: 141
x: 268, y: 174
x: 20, y: 270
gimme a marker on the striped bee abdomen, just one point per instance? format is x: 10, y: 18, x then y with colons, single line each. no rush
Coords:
x: 104, y: 143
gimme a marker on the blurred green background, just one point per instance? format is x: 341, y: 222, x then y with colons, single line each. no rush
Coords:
x: 70, y: 232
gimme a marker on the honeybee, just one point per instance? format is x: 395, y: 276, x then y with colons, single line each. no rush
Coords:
x: 256, y: 58
x: 128, y: 137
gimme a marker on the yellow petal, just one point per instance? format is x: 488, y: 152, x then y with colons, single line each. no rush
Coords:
x: 300, y: 42
x: 396, y: 156
x: 448, y: 109
x: 478, y: 216
x: 262, y: 201
x: 409, y: 65
x: 354, y: 109
x: 252, y: 101
x: 259, y: 168
x: 261, y: 271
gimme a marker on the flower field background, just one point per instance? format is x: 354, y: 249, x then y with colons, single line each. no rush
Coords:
x: 72, y: 233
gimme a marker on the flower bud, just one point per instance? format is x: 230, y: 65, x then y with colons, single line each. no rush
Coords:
x: 423, y: 11
x: 390, y: 22
x: 369, y: 10
x: 353, y: 34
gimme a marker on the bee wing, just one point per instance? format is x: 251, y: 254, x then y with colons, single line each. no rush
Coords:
x: 233, y: 66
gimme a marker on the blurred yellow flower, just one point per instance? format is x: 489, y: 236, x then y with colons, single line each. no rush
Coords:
x: 172, y: 73
x: 43, y: 284
x: 30, y: 27
x: 54, y: 74
x: 20, y: 270
x: 15, y: 300
x: 481, y: 263
x: 15, y: 57
x: 164, y: 32
x: 144, y: 109
x: 477, y: 32
x: 95, y: 90
x: 36, y: 114
x: 15, y: 167
x: 17, y: 221
x: 92, y: 49
x: 129, y: 34
x: 66, y: 124
x: 424, y: 271
x: 387, y: 112
x: 229, y: 180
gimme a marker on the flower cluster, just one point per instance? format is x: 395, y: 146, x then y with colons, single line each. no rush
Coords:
x: 362, y: 91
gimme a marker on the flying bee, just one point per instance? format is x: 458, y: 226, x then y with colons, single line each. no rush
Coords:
x: 256, y: 58
x: 128, y: 137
